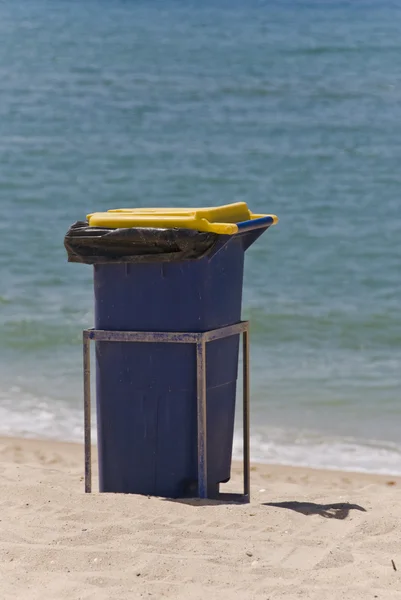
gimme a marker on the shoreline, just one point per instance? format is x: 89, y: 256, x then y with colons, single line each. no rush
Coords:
x: 41, y: 449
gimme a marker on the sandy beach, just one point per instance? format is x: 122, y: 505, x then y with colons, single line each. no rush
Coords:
x: 306, y: 534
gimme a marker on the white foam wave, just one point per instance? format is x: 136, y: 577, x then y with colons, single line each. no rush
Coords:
x: 23, y: 414
x: 310, y: 449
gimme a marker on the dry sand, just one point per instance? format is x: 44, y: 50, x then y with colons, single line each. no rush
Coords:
x: 306, y: 534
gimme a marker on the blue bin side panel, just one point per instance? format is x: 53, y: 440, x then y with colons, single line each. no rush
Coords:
x: 196, y: 295
x: 147, y: 423
x: 146, y: 393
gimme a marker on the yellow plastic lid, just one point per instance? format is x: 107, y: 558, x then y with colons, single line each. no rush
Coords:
x: 221, y: 219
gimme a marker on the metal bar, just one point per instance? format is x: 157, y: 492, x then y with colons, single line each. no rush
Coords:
x: 168, y: 337
x: 223, y: 332
x: 87, y: 414
x: 246, y: 397
x: 144, y: 336
x: 202, y: 425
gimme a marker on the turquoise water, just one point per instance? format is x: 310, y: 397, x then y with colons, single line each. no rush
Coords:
x: 294, y: 108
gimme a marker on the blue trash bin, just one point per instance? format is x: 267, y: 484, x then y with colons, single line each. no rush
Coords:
x: 146, y: 392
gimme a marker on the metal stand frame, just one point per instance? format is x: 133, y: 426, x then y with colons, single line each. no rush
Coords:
x: 201, y: 340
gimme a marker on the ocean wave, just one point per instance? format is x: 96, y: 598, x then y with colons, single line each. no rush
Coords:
x: 311, y: 449
x: 24, y: 414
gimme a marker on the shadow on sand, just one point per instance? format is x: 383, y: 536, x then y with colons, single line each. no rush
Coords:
x: 328, y: 511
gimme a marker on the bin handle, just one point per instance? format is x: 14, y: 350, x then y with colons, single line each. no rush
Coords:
x: 260, y: 222
x: 256, y: 223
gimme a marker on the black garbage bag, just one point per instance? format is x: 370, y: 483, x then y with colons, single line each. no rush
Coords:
x: 99, y: 245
